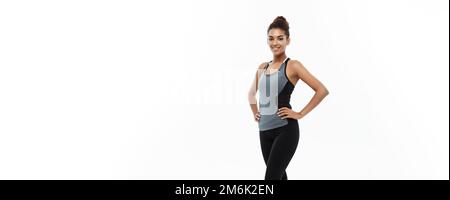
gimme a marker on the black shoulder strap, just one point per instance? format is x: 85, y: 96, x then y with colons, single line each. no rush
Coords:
x: 267, y: 65
x: 286, y: 61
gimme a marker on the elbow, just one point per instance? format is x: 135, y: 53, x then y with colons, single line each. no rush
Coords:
x: 251, y: 98
x: 250, y: 95
x: 324, y: 92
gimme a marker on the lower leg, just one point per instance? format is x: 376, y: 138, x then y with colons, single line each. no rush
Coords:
x: 284, y: 176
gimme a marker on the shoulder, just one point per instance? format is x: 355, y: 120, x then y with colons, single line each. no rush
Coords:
x: 260, y: 69
x: 296, y: 67
x: 296, y: 64
x: 262, y: 65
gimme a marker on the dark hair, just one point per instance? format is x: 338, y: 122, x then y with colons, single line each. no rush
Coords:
x: 281, y: 23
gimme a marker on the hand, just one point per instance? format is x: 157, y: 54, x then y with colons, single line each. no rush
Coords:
x: 257, y: 116
x: 286, y: 112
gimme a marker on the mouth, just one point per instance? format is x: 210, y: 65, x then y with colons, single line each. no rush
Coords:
x: 275, y: 48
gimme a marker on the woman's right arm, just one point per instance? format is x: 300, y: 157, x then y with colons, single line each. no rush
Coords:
x: 252, y: 93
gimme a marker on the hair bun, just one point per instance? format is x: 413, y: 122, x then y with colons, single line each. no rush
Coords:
x: 281, y: 18
x: 280, y: 22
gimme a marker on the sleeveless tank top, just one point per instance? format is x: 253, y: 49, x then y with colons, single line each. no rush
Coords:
x: 275, y: 91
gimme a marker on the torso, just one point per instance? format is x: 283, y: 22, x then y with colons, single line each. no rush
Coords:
x: 290, y: 72
x: 275, y: 87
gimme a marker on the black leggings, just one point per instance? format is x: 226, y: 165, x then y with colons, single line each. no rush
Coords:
x: 278, y: 145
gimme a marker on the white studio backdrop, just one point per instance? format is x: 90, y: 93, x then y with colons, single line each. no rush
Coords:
x: 157, y: 89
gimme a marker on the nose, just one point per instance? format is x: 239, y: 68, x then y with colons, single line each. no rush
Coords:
x: 274, y: 43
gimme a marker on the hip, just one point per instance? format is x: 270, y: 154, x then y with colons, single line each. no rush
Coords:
x: 291, y: 127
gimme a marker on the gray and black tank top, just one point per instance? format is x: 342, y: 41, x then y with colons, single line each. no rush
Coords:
x: 275, y: 91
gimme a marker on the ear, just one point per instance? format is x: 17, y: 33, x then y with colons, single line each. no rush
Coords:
x: 288, y: 40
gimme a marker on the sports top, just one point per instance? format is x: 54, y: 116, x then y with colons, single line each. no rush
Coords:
x: 275, y: 91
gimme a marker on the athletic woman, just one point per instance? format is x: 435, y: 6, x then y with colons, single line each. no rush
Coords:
x: 275, y: 81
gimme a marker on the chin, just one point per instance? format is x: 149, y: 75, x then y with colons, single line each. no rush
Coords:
x: 277, y: 53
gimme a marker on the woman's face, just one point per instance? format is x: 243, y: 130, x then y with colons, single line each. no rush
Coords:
x: 277, y: 41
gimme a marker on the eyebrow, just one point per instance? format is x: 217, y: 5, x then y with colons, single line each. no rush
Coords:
x: 276, y: 35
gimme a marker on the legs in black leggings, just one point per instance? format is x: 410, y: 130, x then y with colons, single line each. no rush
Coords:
x: 278, y: 145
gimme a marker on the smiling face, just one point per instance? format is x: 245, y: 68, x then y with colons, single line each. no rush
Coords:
x: 277, y: 41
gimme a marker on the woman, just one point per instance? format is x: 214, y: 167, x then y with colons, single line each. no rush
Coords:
x: 277, y: 122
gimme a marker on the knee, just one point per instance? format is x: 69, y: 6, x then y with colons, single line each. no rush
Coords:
x: 273, y: 176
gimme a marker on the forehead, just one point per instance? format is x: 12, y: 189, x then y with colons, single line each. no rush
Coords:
x: 275, y: 32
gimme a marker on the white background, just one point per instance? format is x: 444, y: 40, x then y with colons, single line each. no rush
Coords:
x: 157, y: 89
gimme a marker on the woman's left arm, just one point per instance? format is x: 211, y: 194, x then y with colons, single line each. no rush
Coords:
x: 321, y: 91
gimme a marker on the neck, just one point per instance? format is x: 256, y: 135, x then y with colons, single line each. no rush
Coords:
x: 279, y: 58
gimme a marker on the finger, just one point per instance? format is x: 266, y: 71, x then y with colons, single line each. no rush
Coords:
x: 285, y: 117
x: 283, y: 114
x: 283, y: 108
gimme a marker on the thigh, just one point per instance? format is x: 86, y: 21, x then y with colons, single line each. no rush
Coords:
x: 266, y: 139
x: 283, y: 148
x: 287, y: 141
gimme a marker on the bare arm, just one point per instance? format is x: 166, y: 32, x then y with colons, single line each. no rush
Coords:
x: 252, y: 93
x: 314, y: 83
x: 321, y: 92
